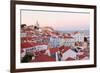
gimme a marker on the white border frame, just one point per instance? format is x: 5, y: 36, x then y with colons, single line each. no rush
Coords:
x: 53, y: 64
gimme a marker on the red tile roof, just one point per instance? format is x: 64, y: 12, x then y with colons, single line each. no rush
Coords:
x: 64, y: 48
x: 53, y: 50
x: 43, y: 58
x: 30, y: 44
x: 27, y: 45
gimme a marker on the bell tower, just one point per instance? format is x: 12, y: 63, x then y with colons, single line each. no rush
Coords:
x: 36, y: 25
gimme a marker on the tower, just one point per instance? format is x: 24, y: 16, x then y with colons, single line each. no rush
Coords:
x: 36, y: 25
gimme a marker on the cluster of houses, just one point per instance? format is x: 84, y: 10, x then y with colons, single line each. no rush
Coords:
x: 40, y: 44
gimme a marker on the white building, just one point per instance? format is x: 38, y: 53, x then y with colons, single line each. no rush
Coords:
x: 67, y: 54
x: 80, y: 36
x: 69, y: 41
x: 23, y: 34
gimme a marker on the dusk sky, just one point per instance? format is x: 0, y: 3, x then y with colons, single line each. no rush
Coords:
x: 65, y: 21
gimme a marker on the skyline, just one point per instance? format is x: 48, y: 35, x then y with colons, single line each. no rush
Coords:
x: 58, y: 20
